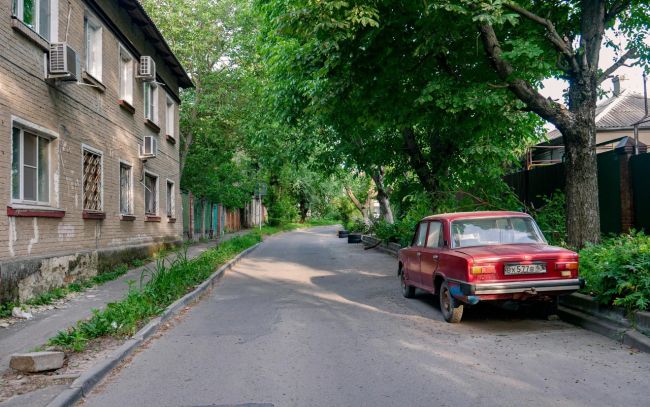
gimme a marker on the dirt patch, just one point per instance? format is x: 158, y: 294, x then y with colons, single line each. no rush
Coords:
x: 13, y: 383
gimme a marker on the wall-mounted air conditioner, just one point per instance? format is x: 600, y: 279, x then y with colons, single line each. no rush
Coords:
x: 149, y: 148
x: 146, y: 69
x: 63, y: 62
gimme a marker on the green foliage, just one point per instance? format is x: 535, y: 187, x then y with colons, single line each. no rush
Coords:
x: 617, y: 271
x: 112, y: 275
x: 167, y: 282
x: 551, y: 218
x: 6, y: 308
x: 48, y: 297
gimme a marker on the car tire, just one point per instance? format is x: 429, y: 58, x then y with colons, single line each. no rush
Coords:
x: 452, y: 312
x: 408, y: 291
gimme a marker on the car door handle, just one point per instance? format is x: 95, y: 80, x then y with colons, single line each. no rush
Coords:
x: 418, y: 254
x: 434, y: 257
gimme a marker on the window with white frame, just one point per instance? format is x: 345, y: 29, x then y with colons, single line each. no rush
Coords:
x: 150, y: 194
x: 93, y: 32
x: 126, y: 189
x: 30, y: 167
x: 151, y: 101
x: 92, y: 180
x: 126, y: 76
x: 36, y: 14
x: 170, y: 113
x: 171, y: 209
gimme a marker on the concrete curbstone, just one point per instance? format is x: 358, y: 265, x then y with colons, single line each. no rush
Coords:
x: 66, y: 398
x: 637, y: 340
x: 92, y: 376
x: 85, y: 383
x: 591, y: 323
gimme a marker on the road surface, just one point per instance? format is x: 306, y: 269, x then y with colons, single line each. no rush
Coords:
x: 308, y: 320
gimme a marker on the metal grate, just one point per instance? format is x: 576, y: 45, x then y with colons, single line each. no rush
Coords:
x: 92, y: 181
x: 57, y: 58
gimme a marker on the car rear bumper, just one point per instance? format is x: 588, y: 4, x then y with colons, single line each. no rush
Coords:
x: 528, y: 287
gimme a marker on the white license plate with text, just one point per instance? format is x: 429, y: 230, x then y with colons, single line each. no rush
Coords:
x: 514, y: 269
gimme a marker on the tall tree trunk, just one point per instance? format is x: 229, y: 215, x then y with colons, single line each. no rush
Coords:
x: 303, y: 210
x: 418, y: 162
x: 581, y: 164
x: 382, y: 196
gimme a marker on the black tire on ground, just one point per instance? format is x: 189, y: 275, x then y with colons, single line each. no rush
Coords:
x: 343, y: 233
x: 452, y: 311
x: 354, y: 238
x: 408, y: 291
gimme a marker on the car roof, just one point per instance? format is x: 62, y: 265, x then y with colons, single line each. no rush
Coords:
x: 473, y: 215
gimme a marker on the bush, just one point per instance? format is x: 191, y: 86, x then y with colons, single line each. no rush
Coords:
x: 551, y: 218
x: 617, y: 271
x: 358, y: 225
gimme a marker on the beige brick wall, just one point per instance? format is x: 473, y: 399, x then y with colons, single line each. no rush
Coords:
x: 82, y: 115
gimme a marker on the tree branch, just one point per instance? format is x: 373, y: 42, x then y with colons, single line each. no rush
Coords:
x: 630, y: 54
x: 563, y: 46
x: 616, y: 8
x: 354, y: 200
x: 545, y: 108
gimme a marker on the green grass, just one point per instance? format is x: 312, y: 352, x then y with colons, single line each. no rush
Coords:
x: 111, y: 275
x: 168, y: 282
x: 6, y: 308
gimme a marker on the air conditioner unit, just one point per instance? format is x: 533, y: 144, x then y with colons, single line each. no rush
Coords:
x: 149, y: 148
x: 147, y: 69
x: 63, y: 62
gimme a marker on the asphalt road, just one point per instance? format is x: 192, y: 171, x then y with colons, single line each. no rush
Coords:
x: 308, y: 320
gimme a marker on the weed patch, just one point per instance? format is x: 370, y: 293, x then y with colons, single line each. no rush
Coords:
x: 167, y: 282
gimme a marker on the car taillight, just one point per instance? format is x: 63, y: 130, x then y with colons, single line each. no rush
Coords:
x: 566, y: 267
x: 484, y: 269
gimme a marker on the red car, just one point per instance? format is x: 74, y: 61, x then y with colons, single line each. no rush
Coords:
x: 469, y: 257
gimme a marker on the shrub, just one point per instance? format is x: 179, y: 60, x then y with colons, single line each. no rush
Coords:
x: 617, y: 271
x: 551, y: 218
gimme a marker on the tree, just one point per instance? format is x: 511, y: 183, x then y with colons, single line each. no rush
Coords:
x: 572, y: 33
x: 397, y: 100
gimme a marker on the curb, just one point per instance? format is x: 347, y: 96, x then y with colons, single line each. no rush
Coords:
x: 85, y: 383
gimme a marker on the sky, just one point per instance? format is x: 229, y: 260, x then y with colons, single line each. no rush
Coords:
x: 632, y: 79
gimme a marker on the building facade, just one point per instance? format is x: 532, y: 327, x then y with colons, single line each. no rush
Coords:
x: 80, y: 193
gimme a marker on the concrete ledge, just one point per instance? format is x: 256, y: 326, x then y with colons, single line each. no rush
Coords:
x: 591, y: 323
x: 582, y: 310
x: 388, y: 248
x: 82, y: 386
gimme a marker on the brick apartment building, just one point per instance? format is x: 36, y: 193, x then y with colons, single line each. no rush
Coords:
x: 80, y: 195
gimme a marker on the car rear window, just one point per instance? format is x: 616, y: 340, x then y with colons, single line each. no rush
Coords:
x: 495, y: 231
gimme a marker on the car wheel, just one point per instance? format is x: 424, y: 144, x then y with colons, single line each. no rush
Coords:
x: 408, y: 291
x: 452, y: 312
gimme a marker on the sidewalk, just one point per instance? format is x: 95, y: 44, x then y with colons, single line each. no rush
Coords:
x: 27, y: 335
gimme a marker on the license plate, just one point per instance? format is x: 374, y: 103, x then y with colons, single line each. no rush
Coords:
x: 514, y: 269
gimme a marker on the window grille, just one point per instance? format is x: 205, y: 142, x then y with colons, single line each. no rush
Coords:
x: 92, y: 181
